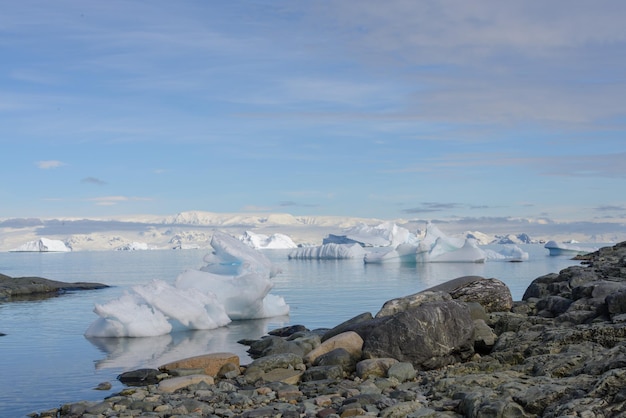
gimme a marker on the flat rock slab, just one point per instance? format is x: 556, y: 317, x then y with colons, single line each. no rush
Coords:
x: 210, y: 363
x: 20, y: 287
x: 175, y: 383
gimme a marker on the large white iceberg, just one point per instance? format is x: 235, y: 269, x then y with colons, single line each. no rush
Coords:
x: 388, y: 243
x: 234, y: 285
x: 43, y: 245
x: 435, y: 247
x: 442, y: 251
x: 383, y: 235
x: 261, y: 241
x: 328, y: 252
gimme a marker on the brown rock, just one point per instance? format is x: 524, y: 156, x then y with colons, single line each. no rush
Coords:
x: 289, y: 376
x: 175, y: 383
x: 350, y: 341
x: 375, y: 367
x: 210, y: 363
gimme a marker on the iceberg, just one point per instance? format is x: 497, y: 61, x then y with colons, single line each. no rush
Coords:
x: 388, y: 243
x: 328, y: 252
x: 514, y: 239
x: 509, y: 252
x: 404, y: 253
x: 435, y: 247
x: 556, y: 248
x: 43, y: 245
x: 443, y: 251
x: 383, y: 235
x: 234, y: 285
x: 232, y: 257
x: 261, y: 241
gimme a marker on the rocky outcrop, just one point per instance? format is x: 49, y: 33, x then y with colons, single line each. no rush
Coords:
x: 561, y: 351
x: 24, y: 287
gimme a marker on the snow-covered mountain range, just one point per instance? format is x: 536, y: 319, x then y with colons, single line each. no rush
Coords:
x: 193, y: 229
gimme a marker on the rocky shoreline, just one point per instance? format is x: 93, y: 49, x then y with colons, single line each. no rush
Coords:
x: 462, y: 349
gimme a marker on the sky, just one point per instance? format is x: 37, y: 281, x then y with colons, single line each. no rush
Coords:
x: 396, y: 109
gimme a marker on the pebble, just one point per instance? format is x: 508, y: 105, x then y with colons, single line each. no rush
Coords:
x: 236, y: 397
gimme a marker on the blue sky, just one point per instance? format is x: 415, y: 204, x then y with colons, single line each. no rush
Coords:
x: 394, y: 109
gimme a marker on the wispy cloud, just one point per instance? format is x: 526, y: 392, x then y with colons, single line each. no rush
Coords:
x: 430, y: 207
x: 611, y: 208
x: 605, y: 165
x: 49, y: 164
x: 599, y: 165
x: 289, y: 203
x: 93, y: 180
x: 114, y: 200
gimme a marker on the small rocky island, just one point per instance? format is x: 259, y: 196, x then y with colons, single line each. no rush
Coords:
x: 12, y: 288
x: 461, y: 349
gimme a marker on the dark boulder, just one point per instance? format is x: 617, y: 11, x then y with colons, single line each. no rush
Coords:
x: 493, y: 294
x: 338, y: 357
x: 432, y: 335
x: 140, y: 377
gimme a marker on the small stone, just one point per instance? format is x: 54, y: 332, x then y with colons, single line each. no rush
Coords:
x: 288, y: 376
x: 104, y: 386
x: 163, y: 408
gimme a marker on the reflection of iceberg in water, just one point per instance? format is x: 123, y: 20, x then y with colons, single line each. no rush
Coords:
x: 132, y: 353
x: 234, y: 285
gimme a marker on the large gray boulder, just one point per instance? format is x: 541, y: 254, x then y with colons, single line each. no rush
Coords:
x: 429, y: 336
x: 493, y: 294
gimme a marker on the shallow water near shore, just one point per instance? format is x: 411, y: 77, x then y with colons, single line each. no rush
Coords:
x: 47, y: 361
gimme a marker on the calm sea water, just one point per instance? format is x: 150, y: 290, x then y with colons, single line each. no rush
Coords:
x: 46, y: 360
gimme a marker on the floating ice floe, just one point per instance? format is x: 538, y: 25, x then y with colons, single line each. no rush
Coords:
x: 557, y: 248
x: 328, y: 252
x: 234, y: 285
x: 43, y: 245
x: 261, y: 241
